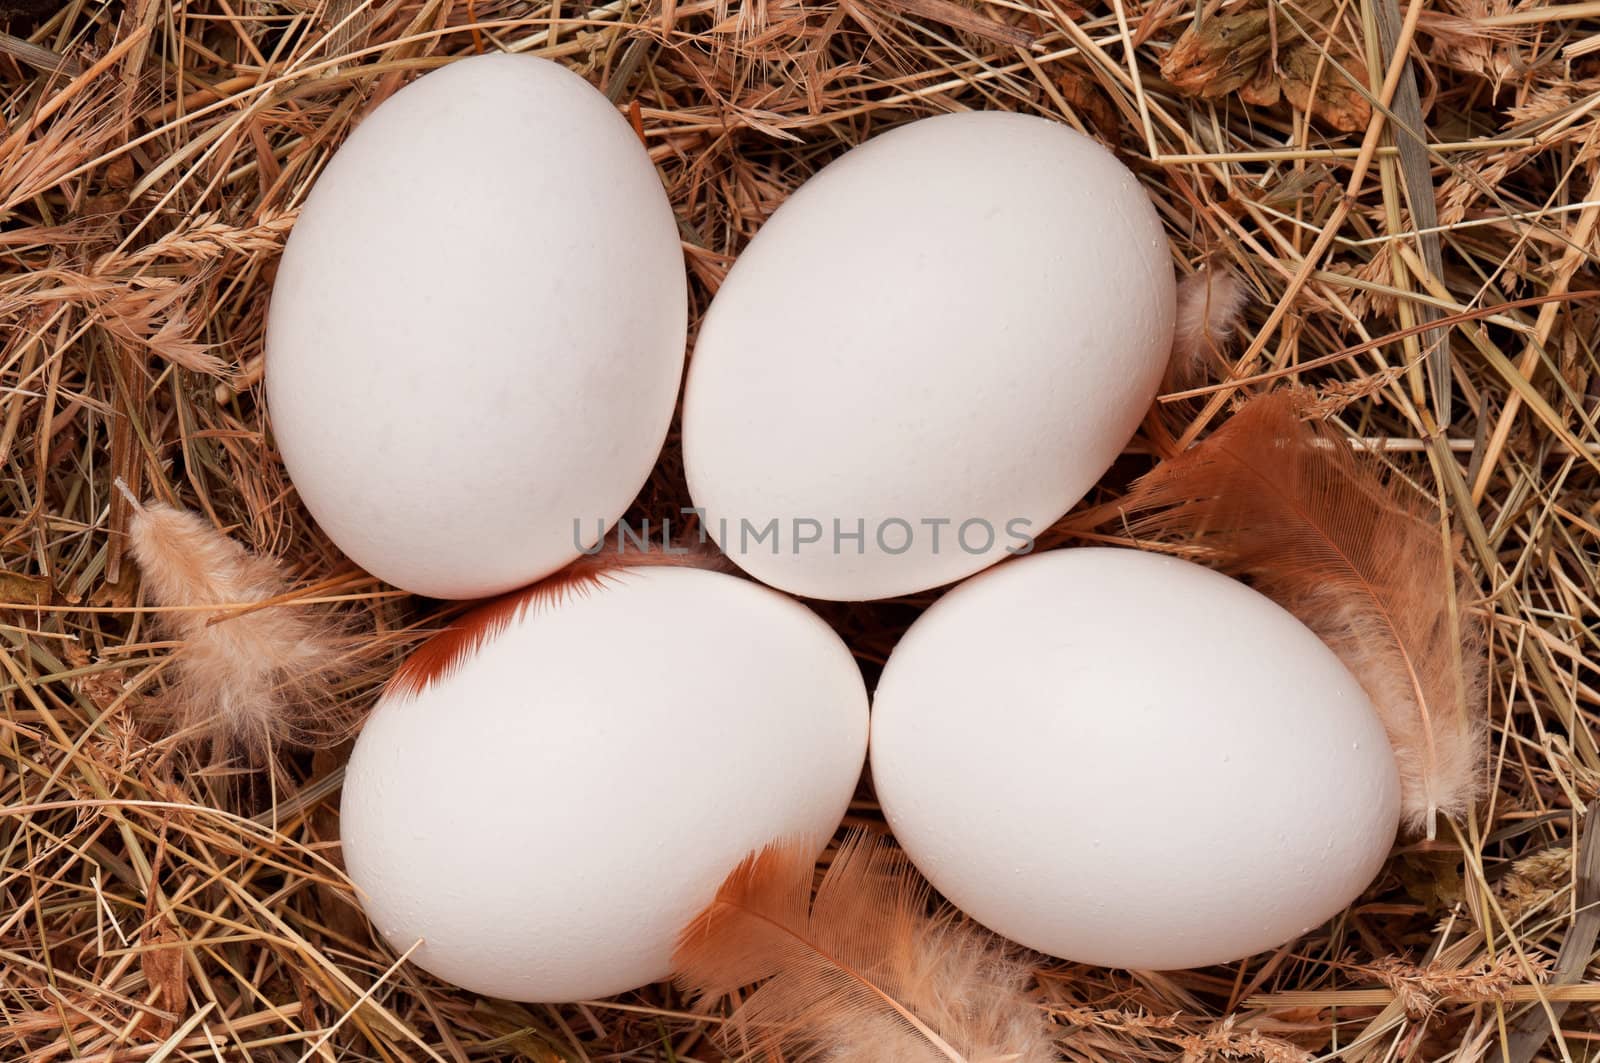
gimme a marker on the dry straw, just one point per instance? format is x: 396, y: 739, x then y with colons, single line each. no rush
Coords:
x: 157, y: 905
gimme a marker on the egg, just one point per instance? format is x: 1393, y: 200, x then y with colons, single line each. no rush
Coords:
x: 536, y: 811
x: 476, y: 333
x: 926, y: 356
x: 1129, y: 760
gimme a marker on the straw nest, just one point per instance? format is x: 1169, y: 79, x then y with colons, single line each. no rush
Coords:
x: 156, y: 904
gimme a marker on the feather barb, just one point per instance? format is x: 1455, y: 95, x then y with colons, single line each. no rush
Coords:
x: 244, y: 681
x: 1292, y: 508
x: 1211, y: 306
x: 444, y: 652
x: 861, y: 972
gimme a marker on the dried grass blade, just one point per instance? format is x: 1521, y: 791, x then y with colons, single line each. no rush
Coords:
x: 1405, y: 130
x: 1529, y: 1035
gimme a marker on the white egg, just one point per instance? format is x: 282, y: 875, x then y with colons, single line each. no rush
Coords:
x: 1129, y: 760
x: 547, y: 814
x: 477, y: 330
x: 926, y: 356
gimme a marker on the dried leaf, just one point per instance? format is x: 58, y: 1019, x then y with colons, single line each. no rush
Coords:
x: 1218, y: 56
x: 1236, y: 53
x: 162, y: 963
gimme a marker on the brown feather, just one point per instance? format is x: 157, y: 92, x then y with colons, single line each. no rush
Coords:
x: 1291, y: 507
x: 246, y: 680
x: 444, y: 652
x: 862, y: 973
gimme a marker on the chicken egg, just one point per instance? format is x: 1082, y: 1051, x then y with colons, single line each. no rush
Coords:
x: 926, y: 356
x: 1129, y: 760
x: 476, y: 333
x: 548, y: 792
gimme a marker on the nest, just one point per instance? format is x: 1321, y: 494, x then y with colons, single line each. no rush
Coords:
x: 156, y: 904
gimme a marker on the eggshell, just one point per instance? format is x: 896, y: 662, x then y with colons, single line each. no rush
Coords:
x: 1128, y: 760
x: 963, y: 320
x: 477, y: 330
x: 547, y: 816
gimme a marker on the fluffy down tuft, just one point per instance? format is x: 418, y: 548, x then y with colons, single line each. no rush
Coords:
x: 245, y: 679
x: 862, y: 973
x: 1211, y: 305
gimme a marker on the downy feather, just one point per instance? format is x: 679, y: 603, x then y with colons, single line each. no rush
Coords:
x: 1211, y: 303
x: 862, y: 973
x: 1292, y: 508
x: 245, y: 680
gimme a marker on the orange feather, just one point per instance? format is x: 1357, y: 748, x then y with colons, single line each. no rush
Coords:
x: 1293, y: 509
x: 863, y: 972
x: 444, y: 652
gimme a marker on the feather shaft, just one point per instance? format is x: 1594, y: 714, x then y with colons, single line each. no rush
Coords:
x: 866, y: 983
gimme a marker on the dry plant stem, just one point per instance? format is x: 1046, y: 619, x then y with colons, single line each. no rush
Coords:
x: 1577, y: 254
x: 1404, y: 131
x: 1529, y: 1035
x: 1515, y: 376
x: 1307, y: 154
x: 1330, y: 229
x: 13, y: 143
x: 960, y: 18
x: 170, y: 161
x: 41, y: 58
x: 1537, y: 15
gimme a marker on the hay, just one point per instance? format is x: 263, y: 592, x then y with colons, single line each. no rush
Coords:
x: 153, y: 907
